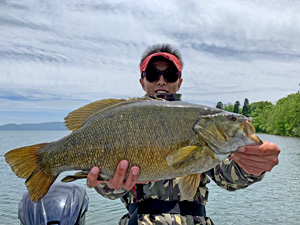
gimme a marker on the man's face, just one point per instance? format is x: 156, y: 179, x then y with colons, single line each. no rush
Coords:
x: 160, y: 86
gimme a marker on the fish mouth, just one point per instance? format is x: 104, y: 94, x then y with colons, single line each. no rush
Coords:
x: 255, y: 138
x: 249, y: 130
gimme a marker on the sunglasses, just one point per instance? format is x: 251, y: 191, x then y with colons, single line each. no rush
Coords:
x: 171, y: 74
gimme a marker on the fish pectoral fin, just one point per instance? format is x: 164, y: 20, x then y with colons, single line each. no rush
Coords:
x: 188, y: 185
x: 182, y: 156
x: 76, y: 176
x: 77, y: 118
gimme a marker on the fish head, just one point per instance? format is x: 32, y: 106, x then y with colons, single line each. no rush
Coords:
x: 224, y: 132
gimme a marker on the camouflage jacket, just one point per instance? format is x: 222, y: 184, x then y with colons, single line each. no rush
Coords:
x: 227, y: 175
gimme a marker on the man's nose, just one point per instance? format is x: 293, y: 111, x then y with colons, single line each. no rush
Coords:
x: 161, y: 80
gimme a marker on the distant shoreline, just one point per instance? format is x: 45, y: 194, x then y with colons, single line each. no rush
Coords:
x: 34, y: 126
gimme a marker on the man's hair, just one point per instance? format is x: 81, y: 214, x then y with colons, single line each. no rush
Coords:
x: 161, y: 48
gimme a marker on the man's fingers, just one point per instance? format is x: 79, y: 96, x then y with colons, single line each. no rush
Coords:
x: 267, y: 148
x: 253, y: 164
x: 132, y: 178
x: 271, y: 160
x: 117, y: 181
x: 248, y: 162
x: 91, y: 180
x: 251, y: 158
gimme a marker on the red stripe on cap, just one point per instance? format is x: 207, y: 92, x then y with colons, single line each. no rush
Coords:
x: 168, y: 56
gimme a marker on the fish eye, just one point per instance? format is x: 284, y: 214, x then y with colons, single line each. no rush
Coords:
x: 232, y: 117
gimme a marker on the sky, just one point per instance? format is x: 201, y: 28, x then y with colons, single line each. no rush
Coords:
x: 56, y: 56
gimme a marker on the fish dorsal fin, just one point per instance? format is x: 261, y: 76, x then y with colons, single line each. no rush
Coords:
x: 77, y: 118
x: 188, y: 185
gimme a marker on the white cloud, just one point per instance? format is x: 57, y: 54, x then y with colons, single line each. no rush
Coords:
x: 55, y: 52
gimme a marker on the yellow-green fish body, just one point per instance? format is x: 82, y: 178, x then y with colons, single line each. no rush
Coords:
x: 160, y: 137
x: 143, y: 132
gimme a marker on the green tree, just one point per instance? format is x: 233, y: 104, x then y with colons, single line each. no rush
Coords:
x: 236, y: 108
x: 229, y: 107
x: 280, y: 119
x: 260, y: 112
x: 220, y: 105
x: 246, y: 108
x: 286, y: 116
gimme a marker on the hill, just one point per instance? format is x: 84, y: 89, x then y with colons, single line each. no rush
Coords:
x: 33, y: 126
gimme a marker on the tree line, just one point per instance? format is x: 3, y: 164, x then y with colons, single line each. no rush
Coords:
x: 283, y: 118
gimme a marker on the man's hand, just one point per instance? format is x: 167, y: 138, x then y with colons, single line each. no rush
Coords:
x: 257, y: 159
x: 118, y: 181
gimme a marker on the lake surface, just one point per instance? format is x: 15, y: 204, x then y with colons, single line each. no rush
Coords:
x: 274, y: 200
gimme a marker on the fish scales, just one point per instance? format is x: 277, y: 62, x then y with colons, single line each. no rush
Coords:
x: 142, y: 133
x: 153, y: 141
x: 143, y: 129
x: 157, y: 136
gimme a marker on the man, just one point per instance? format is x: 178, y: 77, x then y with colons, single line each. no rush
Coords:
x: 161, y: 70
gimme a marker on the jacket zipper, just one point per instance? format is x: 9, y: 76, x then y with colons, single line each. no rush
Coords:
x: 170, y: 191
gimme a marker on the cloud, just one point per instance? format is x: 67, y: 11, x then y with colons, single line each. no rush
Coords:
x: 58, y: 55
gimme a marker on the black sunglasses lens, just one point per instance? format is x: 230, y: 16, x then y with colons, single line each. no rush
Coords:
x: 152, y: 74
x: 171, y: 75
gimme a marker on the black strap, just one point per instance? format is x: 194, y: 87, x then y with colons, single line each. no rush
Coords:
x: 152, y: 206
x: 167, y: 96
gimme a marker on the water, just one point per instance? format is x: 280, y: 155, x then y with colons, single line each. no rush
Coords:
x: 53, y: 44
x: 275, y: 200
x: 100, y: 211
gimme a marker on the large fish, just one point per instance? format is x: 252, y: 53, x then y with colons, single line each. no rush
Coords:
x: 164, y: 139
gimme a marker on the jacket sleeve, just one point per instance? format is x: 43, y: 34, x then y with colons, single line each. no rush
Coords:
x: 110, y: 193
x: 230, y: 176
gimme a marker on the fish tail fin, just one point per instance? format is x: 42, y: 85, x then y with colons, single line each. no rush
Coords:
x: 38, y: 184
x: 24, y: 162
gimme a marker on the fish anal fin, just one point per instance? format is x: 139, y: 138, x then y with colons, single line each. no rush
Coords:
x: 182, y: 156
x: 77, y: 118
x: 76, y: 176
x: 188, y: 185
x: 82, y: 175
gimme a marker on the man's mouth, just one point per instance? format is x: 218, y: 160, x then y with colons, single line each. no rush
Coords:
x: 161, y: 92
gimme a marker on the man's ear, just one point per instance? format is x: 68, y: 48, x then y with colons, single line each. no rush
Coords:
x: 142, y: 83
x: 179, y: 84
